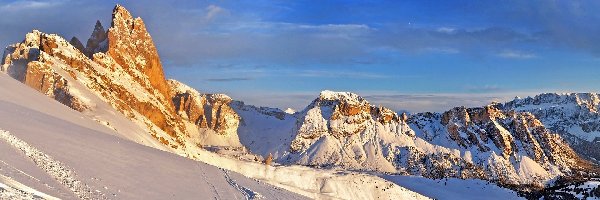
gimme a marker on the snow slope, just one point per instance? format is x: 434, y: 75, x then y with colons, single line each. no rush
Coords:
x: 341, y: 130
x: 453, y: 188
x: 67, y: 155
x: 62, y: 153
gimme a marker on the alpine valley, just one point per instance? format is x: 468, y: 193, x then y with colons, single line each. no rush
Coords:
x: 101, y: 121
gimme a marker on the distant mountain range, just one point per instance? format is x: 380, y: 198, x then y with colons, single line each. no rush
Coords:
x: 117, y: 79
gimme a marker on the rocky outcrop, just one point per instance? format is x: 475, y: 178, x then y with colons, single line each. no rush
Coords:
x: 127, y: 75
x: 205, y: 110
x: 77, y: 44
x: 508, y: 147
x: 97, y: 41
x: 28, y: 63
x: 130, y: 45
x: 574, y: 116
x: 345, y: 114
x: 513, y: 133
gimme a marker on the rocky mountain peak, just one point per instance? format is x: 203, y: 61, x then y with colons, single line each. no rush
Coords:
x: 98, y: 28
x: 120, y: 13
x: 573, y: 115
x: 97, y: 41
x: 125, y: 73
x: 211, y: 111
x: 77, y: 44
x: 131, y: 46
x: 346, y: 97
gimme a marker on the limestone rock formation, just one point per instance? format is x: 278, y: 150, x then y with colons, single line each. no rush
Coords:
x: 125, y: 72
x: 97, y: 41
x: 77, y: 44
x: 574, y: 116
x: 512, y: 148
x: 205, y: 110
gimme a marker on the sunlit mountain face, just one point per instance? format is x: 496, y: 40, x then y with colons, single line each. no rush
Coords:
x: 299, y: 100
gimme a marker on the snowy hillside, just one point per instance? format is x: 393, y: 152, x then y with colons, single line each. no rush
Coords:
x: 117, y: 81
x: 343, y: 131
x: 48, y: 148
x: 117, y: 123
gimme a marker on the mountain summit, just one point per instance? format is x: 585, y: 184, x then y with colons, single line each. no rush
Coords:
x: 118, y: 69
x: 117, y: 80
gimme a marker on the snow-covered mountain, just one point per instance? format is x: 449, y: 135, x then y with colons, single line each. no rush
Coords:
x: 49, y: 151
x: 574, y: 116
x: 340, y: 129
x: 120, y: 69
x: 117, y: 80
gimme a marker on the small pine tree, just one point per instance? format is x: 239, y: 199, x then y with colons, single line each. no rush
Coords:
x: 269, y: 159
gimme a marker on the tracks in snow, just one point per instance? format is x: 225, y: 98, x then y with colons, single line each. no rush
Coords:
x: 54, y: 168
x: 222, y: 191
x: 249, y: 194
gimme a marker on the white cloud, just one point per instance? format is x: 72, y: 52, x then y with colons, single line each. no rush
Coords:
x: 413, y: 103
x: 446, y: 30
x: 28, y: 5
x: 516, y: 55
x: 212, y: 11
x: 337, y: 73
x: 444, y: 50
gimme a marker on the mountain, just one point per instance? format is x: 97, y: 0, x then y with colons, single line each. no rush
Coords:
x: 50, y: 151
x: 117, y: 81
x: 120, y: 69
x: 343, y: 130
x: 574, y: 116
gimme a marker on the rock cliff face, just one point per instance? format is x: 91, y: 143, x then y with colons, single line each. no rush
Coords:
x: 30, y: 63
x: 574, y: 116
x: 205, y: 110
x: 97, y: 41
x: 118, y: 74
x: 344, y: 130
x: 120, y: 67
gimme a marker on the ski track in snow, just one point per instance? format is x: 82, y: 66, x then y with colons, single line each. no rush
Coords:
x: 19, y: 171
x: 6, y: 166
x: 7, y: 192
x: 11, y: 189
x: 249, y: 194
x: 54, y: 168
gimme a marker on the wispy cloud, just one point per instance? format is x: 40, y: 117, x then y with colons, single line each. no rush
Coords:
x: 485, y: 89
x: 212, y: 11
x: 229, y: 79
x: 20, y: 5
x: 412, y: 103
x: 516, y: 55
x: 336, y: 73
x: 439, y: 102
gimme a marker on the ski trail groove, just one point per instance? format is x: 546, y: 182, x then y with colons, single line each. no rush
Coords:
x: 249, y: 194
x: 54, y: 168
x: 214, y: 189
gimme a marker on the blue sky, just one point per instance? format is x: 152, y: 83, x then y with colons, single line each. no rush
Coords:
x: 408, y: 55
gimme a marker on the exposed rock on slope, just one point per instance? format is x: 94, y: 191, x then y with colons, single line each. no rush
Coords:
x: 344, y: 130
x: 97, y: 42
x: 205, y: 110
x: 573, y: 115
x: 120, y: 67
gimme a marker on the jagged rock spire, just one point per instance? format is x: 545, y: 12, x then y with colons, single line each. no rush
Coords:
x: 97, y: 42
x: 77, y: 44
x: 131, y: 46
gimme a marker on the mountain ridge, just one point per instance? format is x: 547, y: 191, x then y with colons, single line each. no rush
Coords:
x: 120, y: 69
